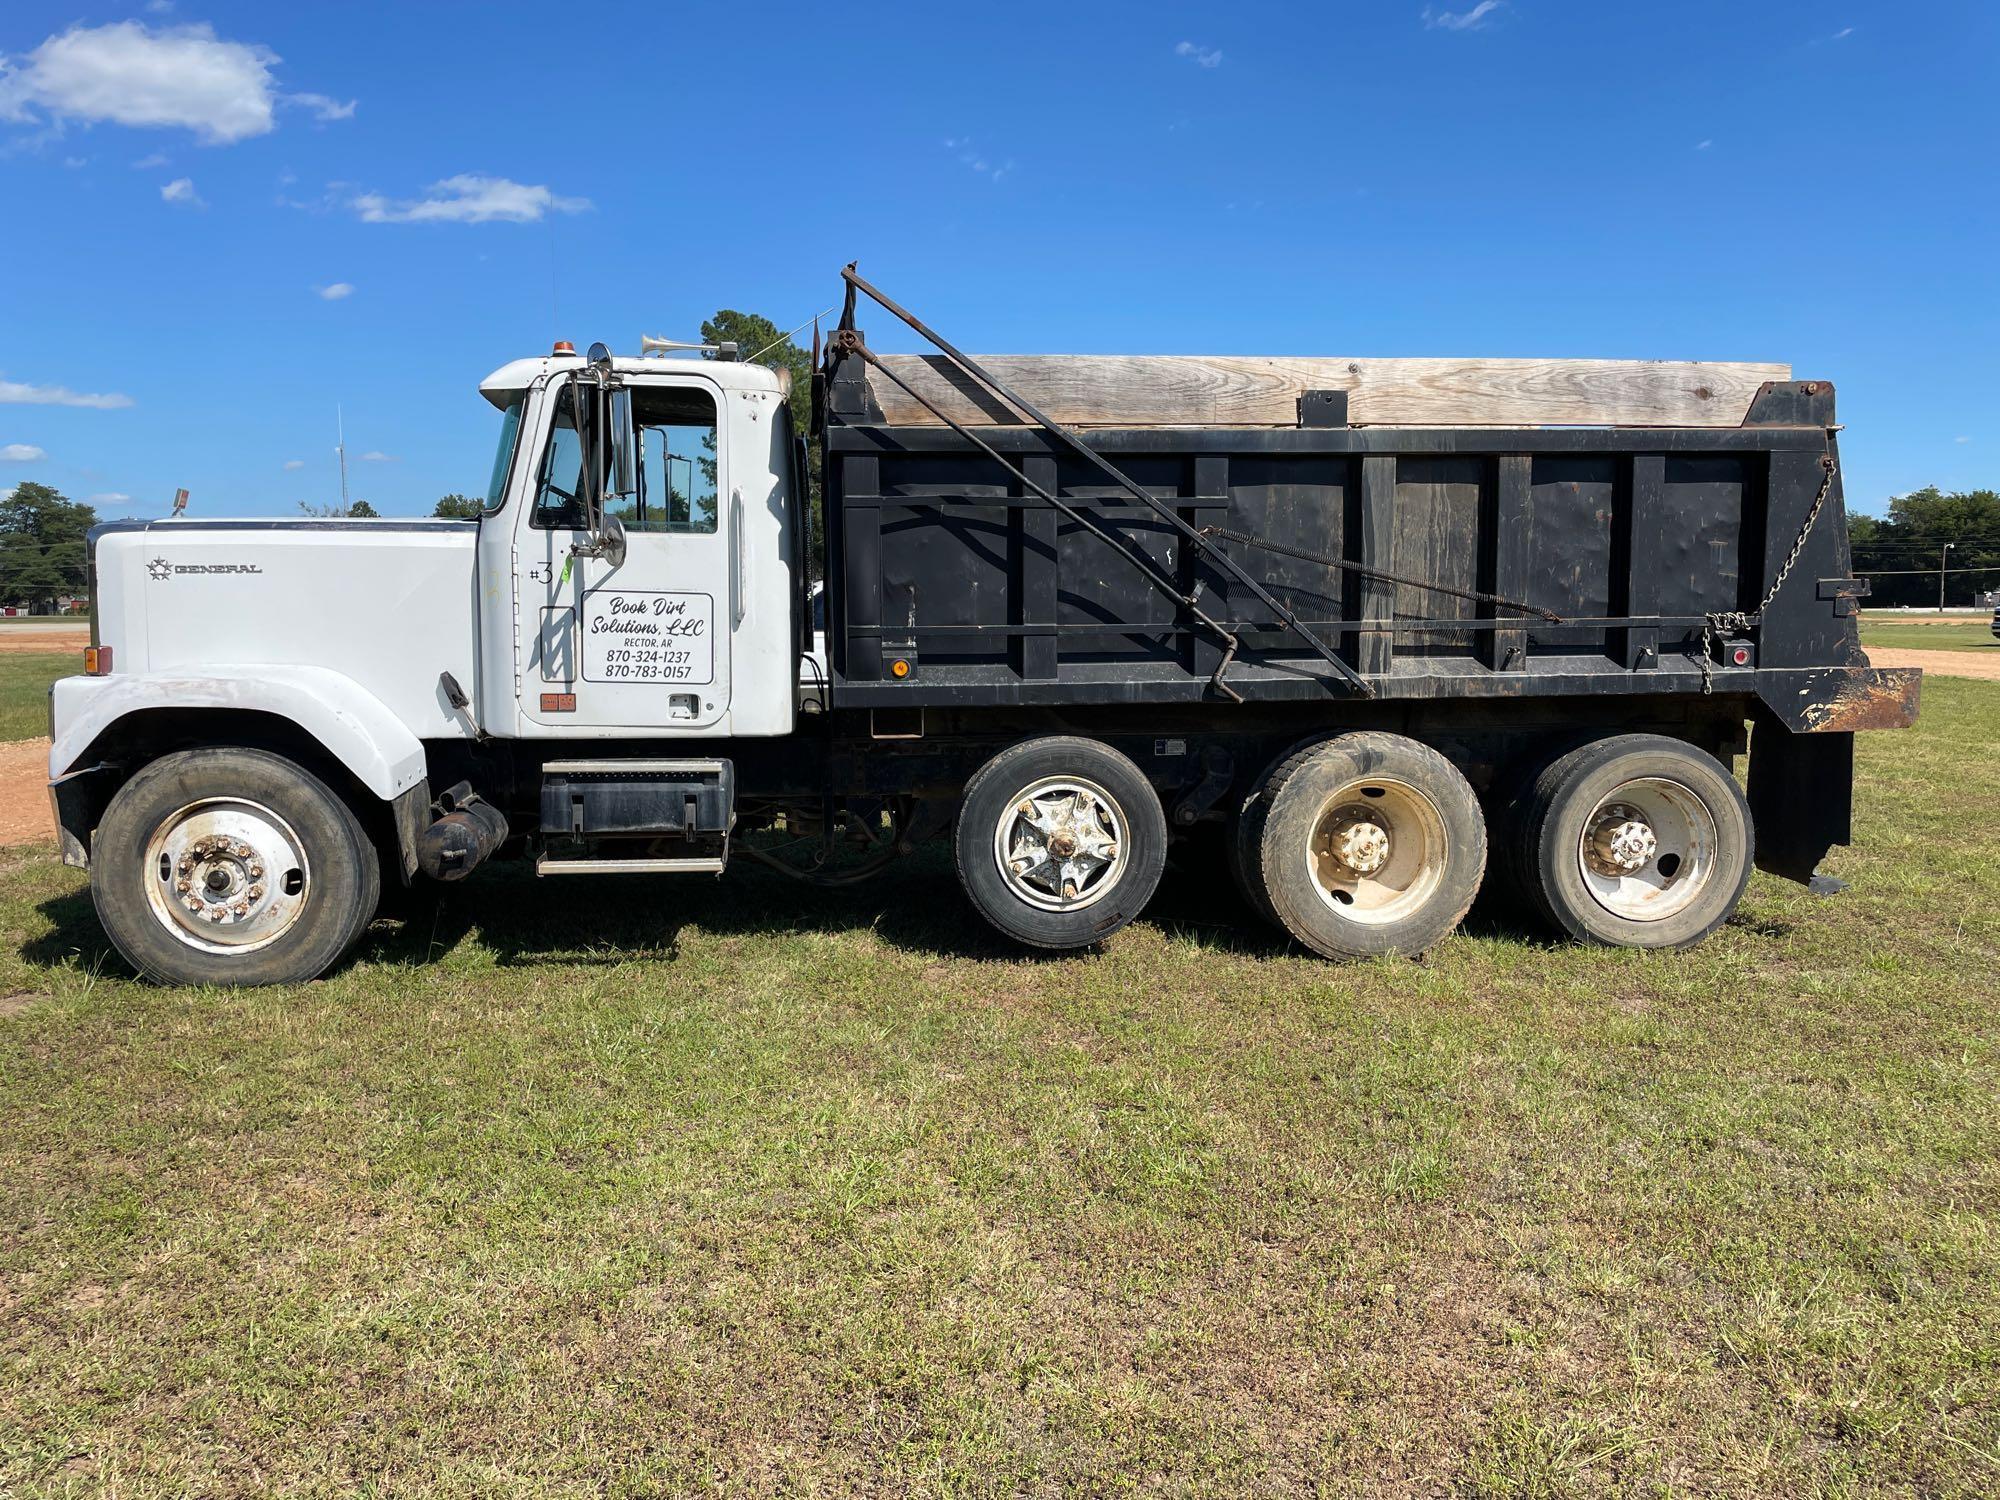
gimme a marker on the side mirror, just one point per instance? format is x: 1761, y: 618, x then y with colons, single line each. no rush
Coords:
x: 624, y: 459
x: 610, y: 541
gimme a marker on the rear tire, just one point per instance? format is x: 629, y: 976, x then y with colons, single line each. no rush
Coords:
x: 1060, y: 841
x: 1246, y: 841
x: 231, y: 867
x: 1635, y: 841
x: 1371, y: 844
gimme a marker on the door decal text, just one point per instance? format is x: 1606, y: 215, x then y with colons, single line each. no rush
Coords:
x: 632, y: 635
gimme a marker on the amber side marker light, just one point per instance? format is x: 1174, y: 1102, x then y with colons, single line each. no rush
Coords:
x: 899, y: 668
x: 97, y: 661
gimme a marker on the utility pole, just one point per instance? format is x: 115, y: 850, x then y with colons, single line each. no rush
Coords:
x: 1941, y: 557
x: 341, y: 447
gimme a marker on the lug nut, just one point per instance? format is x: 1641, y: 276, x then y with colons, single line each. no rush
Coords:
x: 241, y: 910
x: 256, y: 893
x: 216, y: 914
x: 183, y: 886
x: 256, y: 872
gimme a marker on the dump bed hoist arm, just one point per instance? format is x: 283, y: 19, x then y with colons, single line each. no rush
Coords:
x: 848, y: 341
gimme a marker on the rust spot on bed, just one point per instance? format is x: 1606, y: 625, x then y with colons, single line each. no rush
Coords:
x: 1872, y: 698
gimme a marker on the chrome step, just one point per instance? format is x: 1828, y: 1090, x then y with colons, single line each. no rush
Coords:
x: 681, y: 767
x: 704, y: 865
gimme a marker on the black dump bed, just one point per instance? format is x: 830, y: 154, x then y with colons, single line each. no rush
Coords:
x: 1426, y: 561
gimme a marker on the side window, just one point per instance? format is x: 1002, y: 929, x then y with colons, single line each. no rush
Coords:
x: 677, y: 468
x: 676, y: 471
x: 559, y: 488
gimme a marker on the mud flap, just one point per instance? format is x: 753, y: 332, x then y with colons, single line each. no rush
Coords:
x: 1801, y: 799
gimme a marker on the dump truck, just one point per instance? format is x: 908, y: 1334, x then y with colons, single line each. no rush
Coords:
x: 1358, y: 636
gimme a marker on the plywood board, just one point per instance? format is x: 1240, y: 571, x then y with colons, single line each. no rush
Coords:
x: 1184, y: 390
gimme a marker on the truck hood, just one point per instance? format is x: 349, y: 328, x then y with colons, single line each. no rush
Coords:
x: 392, y: 604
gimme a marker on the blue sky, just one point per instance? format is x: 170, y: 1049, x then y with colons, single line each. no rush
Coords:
x: 223, y: 219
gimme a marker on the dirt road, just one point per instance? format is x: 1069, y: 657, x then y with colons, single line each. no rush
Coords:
x: 24, y: 793
x: 1983, y: 665
x: 62, y: 636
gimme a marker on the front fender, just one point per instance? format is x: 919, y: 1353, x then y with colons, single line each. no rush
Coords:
x: 349, y: 721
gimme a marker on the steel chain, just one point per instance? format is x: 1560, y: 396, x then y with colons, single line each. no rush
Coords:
x: 1736, y: 621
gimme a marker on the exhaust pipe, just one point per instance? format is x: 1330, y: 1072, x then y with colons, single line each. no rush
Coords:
x: 461, y: 840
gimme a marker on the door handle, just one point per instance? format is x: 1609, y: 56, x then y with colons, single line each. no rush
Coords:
x: 740, y: 554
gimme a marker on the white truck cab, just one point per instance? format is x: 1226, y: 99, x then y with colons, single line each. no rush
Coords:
x: 694, y: 631
x: 636, y: 575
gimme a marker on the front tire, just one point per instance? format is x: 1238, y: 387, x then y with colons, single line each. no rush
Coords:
x: 232, y: 867
x: 1060, y: 841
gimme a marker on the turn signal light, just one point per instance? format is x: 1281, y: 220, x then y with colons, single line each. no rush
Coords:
x: 899, y: 668
x: 97, y: 661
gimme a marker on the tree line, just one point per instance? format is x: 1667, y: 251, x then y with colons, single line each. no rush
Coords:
x: 1900, y: 554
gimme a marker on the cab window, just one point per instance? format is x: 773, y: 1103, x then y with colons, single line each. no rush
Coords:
x: 559, y: 502
x: 676, y: 473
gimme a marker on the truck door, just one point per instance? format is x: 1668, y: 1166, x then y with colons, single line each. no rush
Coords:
x: 642, y: 646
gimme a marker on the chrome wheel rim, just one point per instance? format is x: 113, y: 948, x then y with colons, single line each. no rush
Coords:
x: 1647, y: 851
x: 1378, y: 850
x: 226, y: 875
x: 1061, y: 843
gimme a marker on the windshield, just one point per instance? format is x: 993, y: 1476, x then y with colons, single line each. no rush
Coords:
x: 503, y: 457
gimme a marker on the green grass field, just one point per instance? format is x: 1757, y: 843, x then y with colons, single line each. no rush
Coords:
x: 657, y: 1188
x: 1942, y: 635
x: 24, y: 689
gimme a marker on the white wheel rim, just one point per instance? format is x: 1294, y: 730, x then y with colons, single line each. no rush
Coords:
x: 226, y: 875
x: 1648, y: 850
x: 1061, y: 844
x: 1378, y: 850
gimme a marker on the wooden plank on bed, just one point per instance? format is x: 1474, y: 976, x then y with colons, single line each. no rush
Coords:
x: 1182, y: 390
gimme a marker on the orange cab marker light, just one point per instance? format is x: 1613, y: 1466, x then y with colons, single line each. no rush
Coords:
x: 97, y: 661
x: 563, y: 346
x: 899, y: 668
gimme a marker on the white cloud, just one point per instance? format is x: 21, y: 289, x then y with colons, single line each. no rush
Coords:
x: 1462, y: 20
x: 970, y: 156
x: 182, y: 77
x: 148, y: 163
x: 323, y: 106
x: 292, y: 465
x: 181, y: 190
x: 21, y: 453
x: 1961, y: 440
x: 1843, y: 34
x: 1703, y: 145
x: 19, y: 393
x: 73, y: 162
x: 1207, y: 57
x: 469, y: 198
x: 335, y: 291
x: 376, y: 456
x: 110, y: 497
